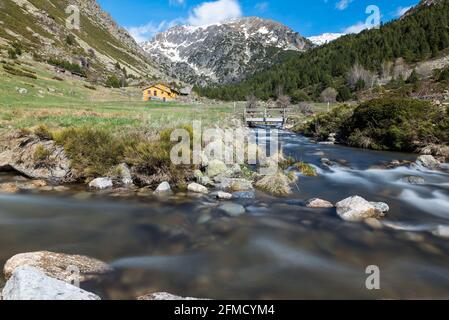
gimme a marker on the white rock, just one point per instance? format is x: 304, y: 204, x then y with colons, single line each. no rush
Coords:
x: 195, y: 187
x: 28, y: 283
x: 163, y: 188
x: 381, y: 206
x: 21, y: 90
x: 318, y: 203
x: 224, y: 195
x: 101, y: 183
x: 428, y: 161
x: 357, y: 209
x: 58, y: 265
x: 164, y: 296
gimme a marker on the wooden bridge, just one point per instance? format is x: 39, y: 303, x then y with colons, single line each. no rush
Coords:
x: 266, y: 117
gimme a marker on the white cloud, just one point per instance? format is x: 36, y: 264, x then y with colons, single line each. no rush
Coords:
x: 402, y: 10
x: 342, y: 4
x: 356, y: 28
x: 215, y: 11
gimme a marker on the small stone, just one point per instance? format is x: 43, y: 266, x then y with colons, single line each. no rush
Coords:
x: 101, y: 183
x: 164, y: 296
x: 164, y: 187
x: 21, y: 90
x: 224, y: 195
x: 28, y: 283
x: 197, y: 188
x: 318, y: 203
x: 414, y: 180
x: 61, y: 189
x: 232, y: 209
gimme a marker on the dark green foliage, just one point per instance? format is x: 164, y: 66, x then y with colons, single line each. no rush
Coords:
x: 113, y: 82
x: 70, y: 40
x: 72, y: 67
x: 300, y: 96
x: 384, y: 124
x: 443, y: 75
x: 414, y: 78
x: 344, y: 94
x: 326, y: 123
x: 417, y: 37
x: 395, y: 124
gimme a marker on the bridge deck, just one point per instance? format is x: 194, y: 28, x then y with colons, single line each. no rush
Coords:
x: 266, y: 116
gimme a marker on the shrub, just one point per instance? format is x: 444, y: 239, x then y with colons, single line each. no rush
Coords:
x: 72, y: 67
x: 92, y: 152
x: 394, y: 124
x: 43, y: 132
x: 306, y: 169
x: 277, y: 184
x: 41, y: 155
x: 344, y: 94
x: 113, y: 82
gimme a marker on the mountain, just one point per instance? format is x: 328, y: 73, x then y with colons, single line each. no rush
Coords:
x: 355, y: 62
x: 223, y: 52
x: 325, y: 38
x: 100, y: 45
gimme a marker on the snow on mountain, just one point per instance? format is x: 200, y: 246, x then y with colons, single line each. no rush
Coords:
x: 222, y: 52
x: 325, y: 38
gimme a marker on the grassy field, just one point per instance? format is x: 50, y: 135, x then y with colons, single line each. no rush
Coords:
x: 71, y: 103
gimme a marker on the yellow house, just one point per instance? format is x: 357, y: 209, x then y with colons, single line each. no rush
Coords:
x: 159, y: 92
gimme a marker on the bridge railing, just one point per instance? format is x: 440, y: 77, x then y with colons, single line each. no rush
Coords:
x: 266, y: 115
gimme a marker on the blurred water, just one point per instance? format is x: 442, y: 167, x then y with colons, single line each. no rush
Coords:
x: 278, y: 250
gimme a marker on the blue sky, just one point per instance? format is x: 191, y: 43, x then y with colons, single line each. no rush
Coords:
x: 144, y: 18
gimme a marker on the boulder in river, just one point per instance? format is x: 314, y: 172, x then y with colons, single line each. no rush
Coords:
x: 357, y: 209
x: 428, y: 161
x: 101, y: 183
x: 197, y: 188
x: 58, y: 265
x: 164, y: 187
x: 28, y: 283
x: 36, y: 158
x: 318, y: 203
x: 9, y: 188
x: 381, y: 206
x: 164, y: 296
x: 215, y: 168
x: 234, y: 184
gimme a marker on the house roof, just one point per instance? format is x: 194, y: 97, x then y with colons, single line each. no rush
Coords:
x: 161, y: 86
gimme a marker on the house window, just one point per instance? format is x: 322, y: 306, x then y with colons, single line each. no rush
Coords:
x: 155, y: 93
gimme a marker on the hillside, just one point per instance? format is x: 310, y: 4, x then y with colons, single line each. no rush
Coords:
x: 223, y: 52
x: 99, y: 46
x: 355, y: 62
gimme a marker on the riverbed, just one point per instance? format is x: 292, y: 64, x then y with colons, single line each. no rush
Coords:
x: 279, y: 249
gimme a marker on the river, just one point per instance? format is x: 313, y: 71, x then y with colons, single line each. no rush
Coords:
x: 279, y: 249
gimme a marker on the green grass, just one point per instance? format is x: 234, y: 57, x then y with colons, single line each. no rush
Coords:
x: 71, y: 103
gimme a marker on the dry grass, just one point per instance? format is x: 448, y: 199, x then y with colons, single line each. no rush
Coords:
x: 277, y: 184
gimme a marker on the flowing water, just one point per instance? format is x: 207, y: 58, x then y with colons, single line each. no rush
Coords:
x: 278, y: 250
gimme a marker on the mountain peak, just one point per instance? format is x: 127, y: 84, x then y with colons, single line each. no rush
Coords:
x: 222, y: 52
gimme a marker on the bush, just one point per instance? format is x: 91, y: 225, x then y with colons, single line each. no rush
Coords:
x: 300, y: 96
x: 66, y: 65
x: 92, y: 152
x: 344, y: 94
x: 113, y: 82
x: 395, y: 124
x: 43, y: 132
x: 324, y: 124
x: 41, y: 155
